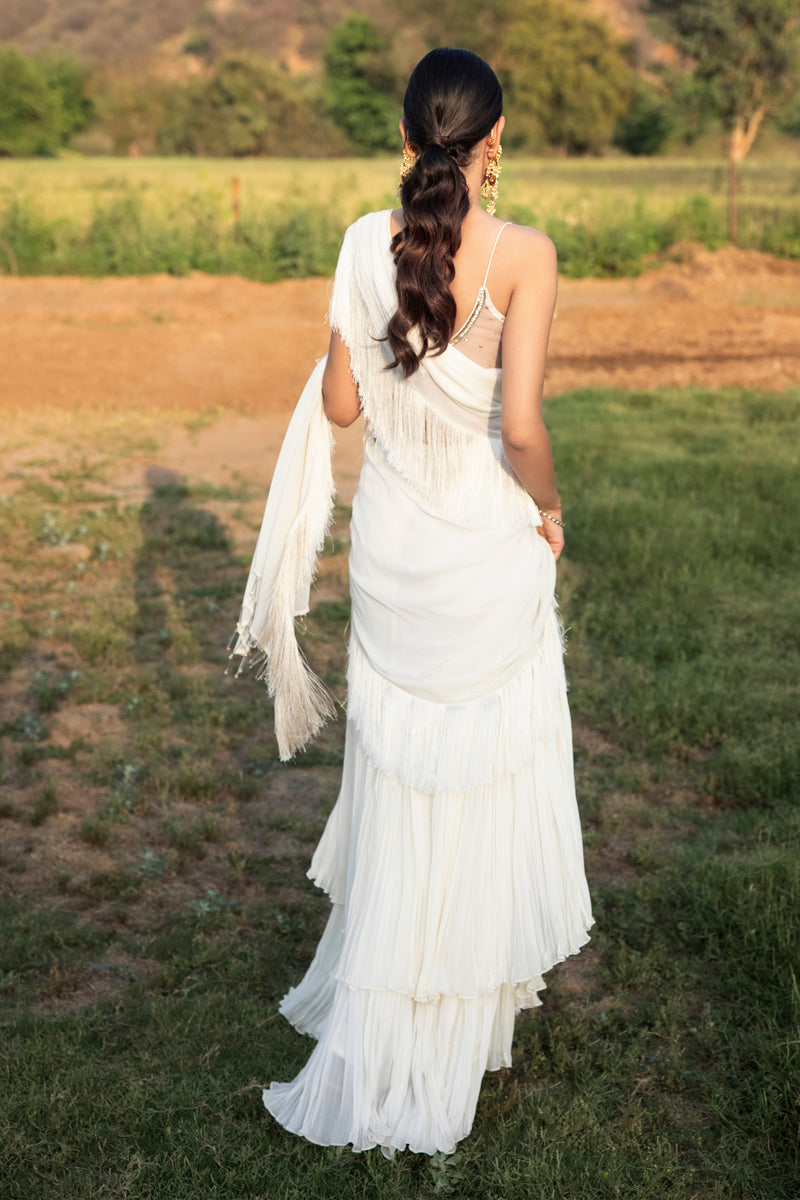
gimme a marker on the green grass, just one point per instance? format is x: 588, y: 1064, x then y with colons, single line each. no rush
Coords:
x: 683, y: 509
x: 140, y: 975
x: 123, y: 217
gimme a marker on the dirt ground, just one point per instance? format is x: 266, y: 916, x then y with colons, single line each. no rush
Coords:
x: 205, y: 343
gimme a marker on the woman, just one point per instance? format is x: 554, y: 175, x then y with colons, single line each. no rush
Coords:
x: 453, y: 857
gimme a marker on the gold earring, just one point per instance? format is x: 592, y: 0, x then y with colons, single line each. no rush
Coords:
x: 489, y: 185
x: 408, y: 163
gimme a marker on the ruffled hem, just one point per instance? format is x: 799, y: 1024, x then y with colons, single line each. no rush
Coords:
x: 454, y: 893
x: 440, y: 747
x: 447, y: 911
x: 309, y: 1005
x: 394, y: 1073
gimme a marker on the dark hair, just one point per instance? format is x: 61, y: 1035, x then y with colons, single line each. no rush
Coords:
x: 452, y: 101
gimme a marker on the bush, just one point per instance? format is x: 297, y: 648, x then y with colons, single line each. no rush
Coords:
x: 698, y: 220
x: 567, y: 81
x: 248, y: 106
x: 361, y: 85
x: 125, y: 237
x: 646, y: 127
x: 30, y: 120
x: 43, y: 102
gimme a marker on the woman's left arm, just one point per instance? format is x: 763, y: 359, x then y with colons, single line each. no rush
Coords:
x: 339, y: 391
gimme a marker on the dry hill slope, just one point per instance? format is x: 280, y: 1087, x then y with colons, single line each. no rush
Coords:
x: 143, y: 31
x: 148, y: 32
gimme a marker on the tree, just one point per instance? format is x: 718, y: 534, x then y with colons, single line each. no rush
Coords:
x: 749, y: 51
x: 43, y: 101
x: 567, y: 81
x: 362, y: 86
x: 247, y: 106
x: 30, y: 116
x: 672, y: 107
x: 66, y: 78
x: 647, y: 125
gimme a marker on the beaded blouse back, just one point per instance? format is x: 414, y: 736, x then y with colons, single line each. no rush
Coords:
x: 480, y: 337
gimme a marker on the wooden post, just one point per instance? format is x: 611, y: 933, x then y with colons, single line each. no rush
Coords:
x: 743, y: 134
x: 235, y: 198
x: 733, y: 202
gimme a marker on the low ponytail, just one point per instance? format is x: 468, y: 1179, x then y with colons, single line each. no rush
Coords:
x: 435, y: 201
x: 452, y: 101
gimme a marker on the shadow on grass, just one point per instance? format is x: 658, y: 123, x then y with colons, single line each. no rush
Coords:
x: 184, y: 554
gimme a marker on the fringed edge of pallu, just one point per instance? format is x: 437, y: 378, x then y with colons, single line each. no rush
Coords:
x: 302, y: 703
x: 457, y: 471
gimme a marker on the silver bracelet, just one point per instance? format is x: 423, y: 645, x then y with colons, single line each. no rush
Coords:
x: 555, y: 520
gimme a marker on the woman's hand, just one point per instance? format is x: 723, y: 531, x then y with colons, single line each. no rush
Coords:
x: 552, y: 533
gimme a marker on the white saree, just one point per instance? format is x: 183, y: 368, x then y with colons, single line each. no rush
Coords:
x: 453, y: 857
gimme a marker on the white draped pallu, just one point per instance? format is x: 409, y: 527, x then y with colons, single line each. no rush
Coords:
x: 453, y: 857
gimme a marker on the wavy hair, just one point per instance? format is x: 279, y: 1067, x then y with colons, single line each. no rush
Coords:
x: 453, y: 100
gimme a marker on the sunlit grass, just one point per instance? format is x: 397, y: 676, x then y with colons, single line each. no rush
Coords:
x: 133, y: 216
x: 71, y: 187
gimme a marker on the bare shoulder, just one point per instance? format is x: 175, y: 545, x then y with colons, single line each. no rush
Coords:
x: 530, y: 247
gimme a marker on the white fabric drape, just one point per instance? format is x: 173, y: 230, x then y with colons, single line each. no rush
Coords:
x: 296, y: 518
x: 453, y: 857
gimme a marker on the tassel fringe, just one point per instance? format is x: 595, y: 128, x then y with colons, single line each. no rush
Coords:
x: 458, y: 471
x: 302, y: 703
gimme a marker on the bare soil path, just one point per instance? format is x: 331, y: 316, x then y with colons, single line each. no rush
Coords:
x: 202, y: 344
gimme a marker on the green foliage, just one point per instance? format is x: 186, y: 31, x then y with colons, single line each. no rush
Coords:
x: 45, y: 804
x: 122, y: 238
x: 68, y: 80
x: 473, y: 24
x: 623, y: 237
x: 619, y: 236
x: 361, y: 85
x: 789, y: 118
x: 248, y: 106
x: 697, y: 535
x: 674, y: 107
x: 647, y: 125
x: 43, y: 101
x: 30, y: 118
x: 749, y: 50
x: 692, y: 104
x: 566, y: 81
x: 131, y: 111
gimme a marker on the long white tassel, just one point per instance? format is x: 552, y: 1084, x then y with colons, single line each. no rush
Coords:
x: 296, y: 519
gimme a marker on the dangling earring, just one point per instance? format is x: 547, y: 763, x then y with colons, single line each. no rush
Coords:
x: 408, y: 163
x: 489, y: 185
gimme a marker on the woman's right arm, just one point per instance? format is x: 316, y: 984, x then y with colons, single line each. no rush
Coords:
x: 525, y: 336
x: 339, y: 391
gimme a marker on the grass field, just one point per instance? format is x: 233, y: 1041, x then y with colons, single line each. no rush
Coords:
x: 154, y: 905
x: 132, y: 216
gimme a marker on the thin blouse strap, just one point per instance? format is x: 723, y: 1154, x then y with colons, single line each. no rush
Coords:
x: 491, y: 256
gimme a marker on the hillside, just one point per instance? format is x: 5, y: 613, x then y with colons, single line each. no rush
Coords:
x: 167, y: 36
x: 151, y: 31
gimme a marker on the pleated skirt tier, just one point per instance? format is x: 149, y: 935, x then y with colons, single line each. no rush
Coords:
x: 453, y: 857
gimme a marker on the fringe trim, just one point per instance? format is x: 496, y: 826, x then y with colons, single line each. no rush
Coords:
x: 458, y: 471
x: 302, y: 703
x: 456, y: 747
